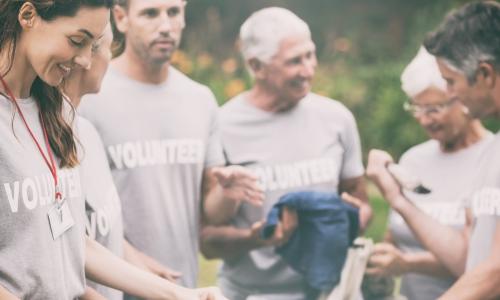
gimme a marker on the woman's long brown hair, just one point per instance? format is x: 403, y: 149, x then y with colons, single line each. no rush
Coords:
x: 49, y: 99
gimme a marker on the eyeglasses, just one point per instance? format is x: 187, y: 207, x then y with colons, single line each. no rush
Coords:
x: 428, y: 109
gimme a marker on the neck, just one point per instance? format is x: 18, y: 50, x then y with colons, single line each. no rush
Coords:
x: 75, y: 100
x: 21, y: 75
x: 72, y: 91
x: 139, y: 69
x: 267, y: 100
x: 473, y: 134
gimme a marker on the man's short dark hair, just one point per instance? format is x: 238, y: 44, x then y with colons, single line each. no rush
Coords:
x: 468, y: 36
x: 122, y: 3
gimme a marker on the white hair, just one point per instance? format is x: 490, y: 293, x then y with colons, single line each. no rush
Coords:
x: 262, y: 33
x: 422, y: 73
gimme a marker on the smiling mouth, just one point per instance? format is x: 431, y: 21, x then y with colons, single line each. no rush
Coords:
x: 433, y: 129
x: 65, y: 70
x: 301, y: 84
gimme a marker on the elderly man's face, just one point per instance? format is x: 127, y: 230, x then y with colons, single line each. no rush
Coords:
x: 289, y: 73
x: 473, y: 95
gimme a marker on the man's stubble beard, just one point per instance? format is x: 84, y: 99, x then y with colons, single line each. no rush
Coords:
x: 144, y: 53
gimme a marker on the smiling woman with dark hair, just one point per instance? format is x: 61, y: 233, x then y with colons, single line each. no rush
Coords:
x: 36, y: 44
x: 44, y: 253
x: 41, y: 205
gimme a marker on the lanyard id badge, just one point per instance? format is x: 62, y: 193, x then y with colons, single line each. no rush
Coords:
x: 60, y: 218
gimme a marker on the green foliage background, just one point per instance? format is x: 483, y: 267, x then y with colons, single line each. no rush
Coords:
x: 362, y: 48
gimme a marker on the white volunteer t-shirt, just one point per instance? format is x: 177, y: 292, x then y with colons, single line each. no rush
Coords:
x: 312, y: 146
x: 32, y: 264
x: 485, y: 205
x: 159, y: 139
x: 102, y: 205
x: 448, y: 176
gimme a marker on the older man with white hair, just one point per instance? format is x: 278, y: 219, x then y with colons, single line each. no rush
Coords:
x: 293, y: 140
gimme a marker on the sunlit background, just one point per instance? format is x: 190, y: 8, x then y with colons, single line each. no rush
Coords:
x: 362, y: 48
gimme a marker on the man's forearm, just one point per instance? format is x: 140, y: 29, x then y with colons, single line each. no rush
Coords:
x: 483, y: 283
x: 436, y: 237
x: 216, y: 209
x: 426, y: 263
x: 226, y: 242
x: 105, y: 268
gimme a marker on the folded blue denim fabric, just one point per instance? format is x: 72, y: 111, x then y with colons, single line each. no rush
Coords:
x: 326, y: 228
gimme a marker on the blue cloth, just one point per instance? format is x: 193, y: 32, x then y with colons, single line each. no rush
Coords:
x: 318, y: 247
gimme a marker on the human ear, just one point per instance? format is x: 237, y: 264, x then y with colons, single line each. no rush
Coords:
x: 27, y: 15
x: 256, y: 66
x: 486, y: 74
x: 121, y: 18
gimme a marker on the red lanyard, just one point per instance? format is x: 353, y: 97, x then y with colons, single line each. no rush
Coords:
x: 50, y: 160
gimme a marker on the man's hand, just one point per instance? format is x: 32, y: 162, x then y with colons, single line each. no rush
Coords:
x: 210, y: 293
x: 386, y: 260
x: 376, y: 170
x: 282, y: 233
x: 161, y: 270
x: 365, y: 210
x: 239, y: 184
x: 224, y: 188
x: 146, y: 262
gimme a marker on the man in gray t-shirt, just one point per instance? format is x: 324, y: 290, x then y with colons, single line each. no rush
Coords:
x: 467, y: 50
x: 292, y: 140
x: 485, y: 206
x: 159, y: 130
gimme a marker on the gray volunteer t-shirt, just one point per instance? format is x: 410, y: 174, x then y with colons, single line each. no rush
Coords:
x: 158, y: 139
x: 102, y: 204
x: 485, y: 205
x: 32, y: 264
x: 447, y: 175
x: 312, y: 146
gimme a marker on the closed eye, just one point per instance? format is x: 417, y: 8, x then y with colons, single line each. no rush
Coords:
x: 79, y: 43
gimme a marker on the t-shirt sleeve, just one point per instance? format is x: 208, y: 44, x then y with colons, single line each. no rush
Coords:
x: 214, y: 155
x: 352, y: 165
x: 484, y: 194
